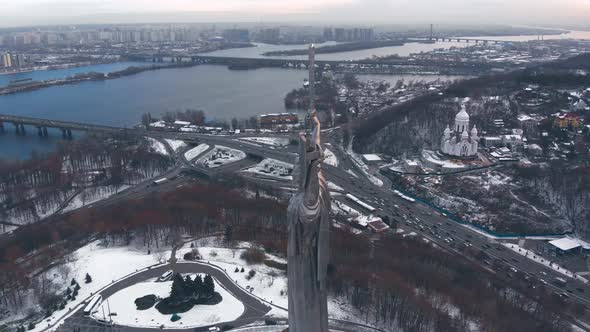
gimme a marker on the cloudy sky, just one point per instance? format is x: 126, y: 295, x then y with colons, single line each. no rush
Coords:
x: 532, y: 12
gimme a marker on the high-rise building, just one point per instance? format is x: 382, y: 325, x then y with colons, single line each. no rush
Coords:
x: 328, y: 34
x: 18, y: 60
x: 339, y: 34
x: 6, y: 60
x: 237, y: 35
x: 367, y: 34
x: 348, y: 35
x: 269, y: 35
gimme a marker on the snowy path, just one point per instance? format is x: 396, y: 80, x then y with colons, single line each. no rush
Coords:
x: 529, y: 204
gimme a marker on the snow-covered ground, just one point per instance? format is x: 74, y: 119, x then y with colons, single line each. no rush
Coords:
x: 104, y: 265
x: 431, y: 157
x: 175, y: 144
x: 157, y: 146
x: 91, y: 195
x: 123, y: 303
x: 330, y: 158
x: 107, y: 265
x: 267, y: 283
x: 196, y: 151
x: 334, y: 187
x: 273, y: 169
x: 271, y: 141
x: 220, y: 156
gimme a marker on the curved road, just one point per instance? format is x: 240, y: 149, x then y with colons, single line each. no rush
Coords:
x: 254, y: 309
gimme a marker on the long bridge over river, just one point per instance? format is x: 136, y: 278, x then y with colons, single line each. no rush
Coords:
x: 19, y: 123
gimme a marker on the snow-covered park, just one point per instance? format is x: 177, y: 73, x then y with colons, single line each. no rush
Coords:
x: 123, y: 304
x: 220, y: 156
x: 175, y: 144
x: 104, y: 265
x: 330, y: 158
x: 111, y: 264
x: 271, y: 168
x: 196, y: 151
x: 270, y: 141
x: 157, y: 146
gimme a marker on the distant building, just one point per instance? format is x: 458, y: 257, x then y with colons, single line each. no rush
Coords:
x: 349, y: 35
x: 490, y: 141
x: 514, y: 142
x: 530, y: 124
x: 6, y: 60
x: 371, y: 158
x: 237, y: 35
x: 566, y: 121
x: 272, y: 120
x: 269, y: 35
x: 459, y: 142
x: 367, y: 34
x: 328, y: 34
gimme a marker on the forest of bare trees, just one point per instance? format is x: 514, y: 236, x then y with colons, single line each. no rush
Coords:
x: 33, y: 189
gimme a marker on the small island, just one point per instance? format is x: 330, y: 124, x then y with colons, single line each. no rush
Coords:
x: 346, y: 47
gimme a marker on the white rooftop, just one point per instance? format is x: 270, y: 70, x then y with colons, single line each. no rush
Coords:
x: 371, y: 157
x: 565, y: 243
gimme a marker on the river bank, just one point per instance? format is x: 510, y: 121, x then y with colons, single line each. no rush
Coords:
x: 54, y: 67
x: 88, y: 77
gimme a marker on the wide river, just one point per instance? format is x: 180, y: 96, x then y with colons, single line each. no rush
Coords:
x: 221, y: 93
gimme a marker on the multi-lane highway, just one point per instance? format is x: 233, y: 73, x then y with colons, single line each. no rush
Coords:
x: 421, y: 219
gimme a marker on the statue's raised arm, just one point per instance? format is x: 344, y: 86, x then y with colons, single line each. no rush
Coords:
x: 310, y: 159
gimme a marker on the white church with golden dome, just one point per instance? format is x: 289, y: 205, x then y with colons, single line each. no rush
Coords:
x: 460, y: 142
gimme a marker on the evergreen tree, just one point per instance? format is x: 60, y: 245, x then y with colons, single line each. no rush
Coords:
x: 88, y: 278
x: 208, y: 286
x: 73, y: 282
x: 242, y: 270
x: 189, y: 286
x: 237, y: 270
x: 178, y: 292
x: 68, y: 291
x: 198, y: 286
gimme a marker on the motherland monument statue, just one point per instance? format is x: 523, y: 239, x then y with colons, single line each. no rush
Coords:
x: 309, y: 227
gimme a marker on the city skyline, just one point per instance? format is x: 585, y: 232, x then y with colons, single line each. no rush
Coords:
x: 540, y: 12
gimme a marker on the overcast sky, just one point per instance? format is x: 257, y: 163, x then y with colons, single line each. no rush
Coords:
x: 531, y: 12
